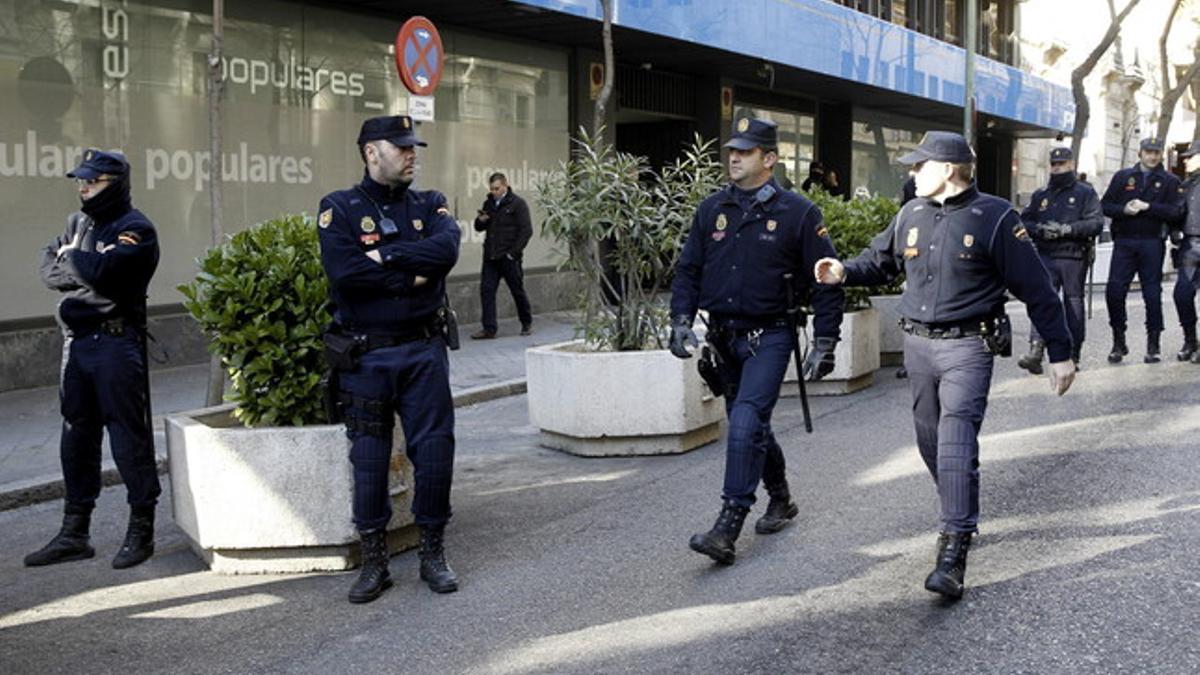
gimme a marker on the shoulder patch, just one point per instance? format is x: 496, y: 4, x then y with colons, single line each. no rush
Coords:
x: 822, y: 231
x: 325, y: 218
x: 129, y: 238
x: 1020, y: 232
x: 443, y: 211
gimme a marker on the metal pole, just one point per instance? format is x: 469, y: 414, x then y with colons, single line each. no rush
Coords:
x: 216, y: 374
x: 970, y: 40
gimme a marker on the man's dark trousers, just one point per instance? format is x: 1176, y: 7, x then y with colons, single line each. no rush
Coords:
x: 510, y: 270
x: 1068, y: 276
x: 1143, y: 257
x: 758, y: 366
x: 1186, y: 284
x: 104, y: 386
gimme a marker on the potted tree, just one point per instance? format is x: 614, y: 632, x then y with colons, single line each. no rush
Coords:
x: 618, y: 226
x: 852, y: 224
x: 262, y: 484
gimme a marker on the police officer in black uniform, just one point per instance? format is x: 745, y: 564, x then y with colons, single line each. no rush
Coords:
x: 387, y: 249
x: 742, y: 242
x: 1143, y: 202
x: 1064, y: 219
x: 960, y: 250
x: 1187, y: 255
x: 102, y: 265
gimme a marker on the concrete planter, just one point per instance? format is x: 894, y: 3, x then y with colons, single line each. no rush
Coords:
x: 856, y: 359
x: 891, y: 338
x: 603, y: 404
x: 275, y: 499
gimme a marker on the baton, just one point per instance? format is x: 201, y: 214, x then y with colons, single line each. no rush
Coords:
x: 793, y: 311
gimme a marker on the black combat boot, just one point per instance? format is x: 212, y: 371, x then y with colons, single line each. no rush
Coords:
x: 780, y: 510
x: 374, y: 577
x: 434, y: 570
x: 71, y: 542
x: 1119, y: 348
x: 717, y: 543
x: 139, y: 539
x: 1033, y: 360
x: 1189, y: 344
x: 1152, y: 347
x: 951, y: 565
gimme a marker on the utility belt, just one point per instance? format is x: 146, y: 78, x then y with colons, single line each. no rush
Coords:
x: 343, y: 348
x: 740, y: 326
x: 996, y: 331
x: 115, y: 327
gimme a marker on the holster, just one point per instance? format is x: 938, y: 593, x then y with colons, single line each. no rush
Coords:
x: 341, y: 350
x: 999, y: 338
x: 331, y: 396
x: 709, y: 366
x: 447, y: 321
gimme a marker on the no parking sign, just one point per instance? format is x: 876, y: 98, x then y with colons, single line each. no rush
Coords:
x: 419, y: 56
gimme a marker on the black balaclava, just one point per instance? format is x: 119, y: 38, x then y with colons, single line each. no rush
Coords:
x: 1062, y: 180
x: 111, y: 203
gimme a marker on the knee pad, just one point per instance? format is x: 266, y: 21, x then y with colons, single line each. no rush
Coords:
x: 367, y: 416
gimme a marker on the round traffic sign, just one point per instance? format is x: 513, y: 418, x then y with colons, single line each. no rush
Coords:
x: 419, y: 56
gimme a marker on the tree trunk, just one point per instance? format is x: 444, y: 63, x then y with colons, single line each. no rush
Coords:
x: 216, y: 374
x: 1082, y: 108
x: 606, y: 90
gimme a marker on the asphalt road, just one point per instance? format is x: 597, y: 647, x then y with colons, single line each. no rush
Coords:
x: 1086, y: 562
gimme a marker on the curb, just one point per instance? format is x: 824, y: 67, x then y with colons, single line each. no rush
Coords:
x: 23, y: 493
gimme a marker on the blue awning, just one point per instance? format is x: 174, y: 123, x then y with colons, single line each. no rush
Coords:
x: 827, y: 38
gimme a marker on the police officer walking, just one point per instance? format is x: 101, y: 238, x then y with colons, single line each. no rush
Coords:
x: 742, y: 242
x: 1064, y: 219
x: 1187, y: 255
x: 960, y: 250
x: 1143, y: 201
x: 387, y: 248
x: 102, y: 265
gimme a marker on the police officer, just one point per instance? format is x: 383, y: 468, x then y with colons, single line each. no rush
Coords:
x: 960, y: 250
x: 742, y: 242
x: 1143, y: 201
x: 102, y: 265
x: 1064, y: 219
x: 1187, y: 255
x: 387, y: 248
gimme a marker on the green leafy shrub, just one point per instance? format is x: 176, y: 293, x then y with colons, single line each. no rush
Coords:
x: 852, y: 225
x: 261, y: 297
x: 620, y: 227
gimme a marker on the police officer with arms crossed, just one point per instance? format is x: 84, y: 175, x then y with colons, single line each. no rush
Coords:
x: 960, y: 250
x: 387, y: 249
x: 1143, y: 201
x: 1063, y: 218
x: 742, y: 242
x: 1187, y: 255
x: 102, y: 264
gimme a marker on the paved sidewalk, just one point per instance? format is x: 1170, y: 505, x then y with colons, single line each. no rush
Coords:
x: 30, y: 421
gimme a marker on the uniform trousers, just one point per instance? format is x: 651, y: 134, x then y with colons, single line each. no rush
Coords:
x: 1068, y: 276
x: 1143, y: 257
x: 103, y: 387
x: 757, y: 365
x: 410, y: 380
x: 949, y: 380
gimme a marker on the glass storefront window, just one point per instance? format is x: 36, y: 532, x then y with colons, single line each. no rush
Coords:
x: 299, y: 80
x: 797, y: 142
x: 879, y: 140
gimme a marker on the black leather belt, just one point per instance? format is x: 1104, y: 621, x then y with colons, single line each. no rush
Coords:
x: 734, y: 325
x: 114, y: 327
x: 370, y: 341
x: 947, y: 331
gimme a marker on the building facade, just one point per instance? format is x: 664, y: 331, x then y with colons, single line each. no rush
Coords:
x: 851, y: 86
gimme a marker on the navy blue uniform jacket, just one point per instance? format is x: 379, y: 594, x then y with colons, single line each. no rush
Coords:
x: 738, y: 250
x: 423, y: 241
x: 1157, y: 188
x: 1076, y: 205
x: 959, y: 258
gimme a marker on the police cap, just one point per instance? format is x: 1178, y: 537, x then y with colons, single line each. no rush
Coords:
x: 1061, y: 155
x: 1152, y: 143
x: 1193, y: 149
x: 96, y: 163
x: 752, y: 133
x: 397, y: 129
x: 941, y: 146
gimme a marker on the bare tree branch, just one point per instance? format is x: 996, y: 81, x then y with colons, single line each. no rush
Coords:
x: 1082, y: 109
x: 1171, y: 95
x: 606, y: 90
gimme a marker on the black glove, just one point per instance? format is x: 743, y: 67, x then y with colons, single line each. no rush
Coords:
x: 681, y: 333
x: 1052, y: 230
x: 819, y: 361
